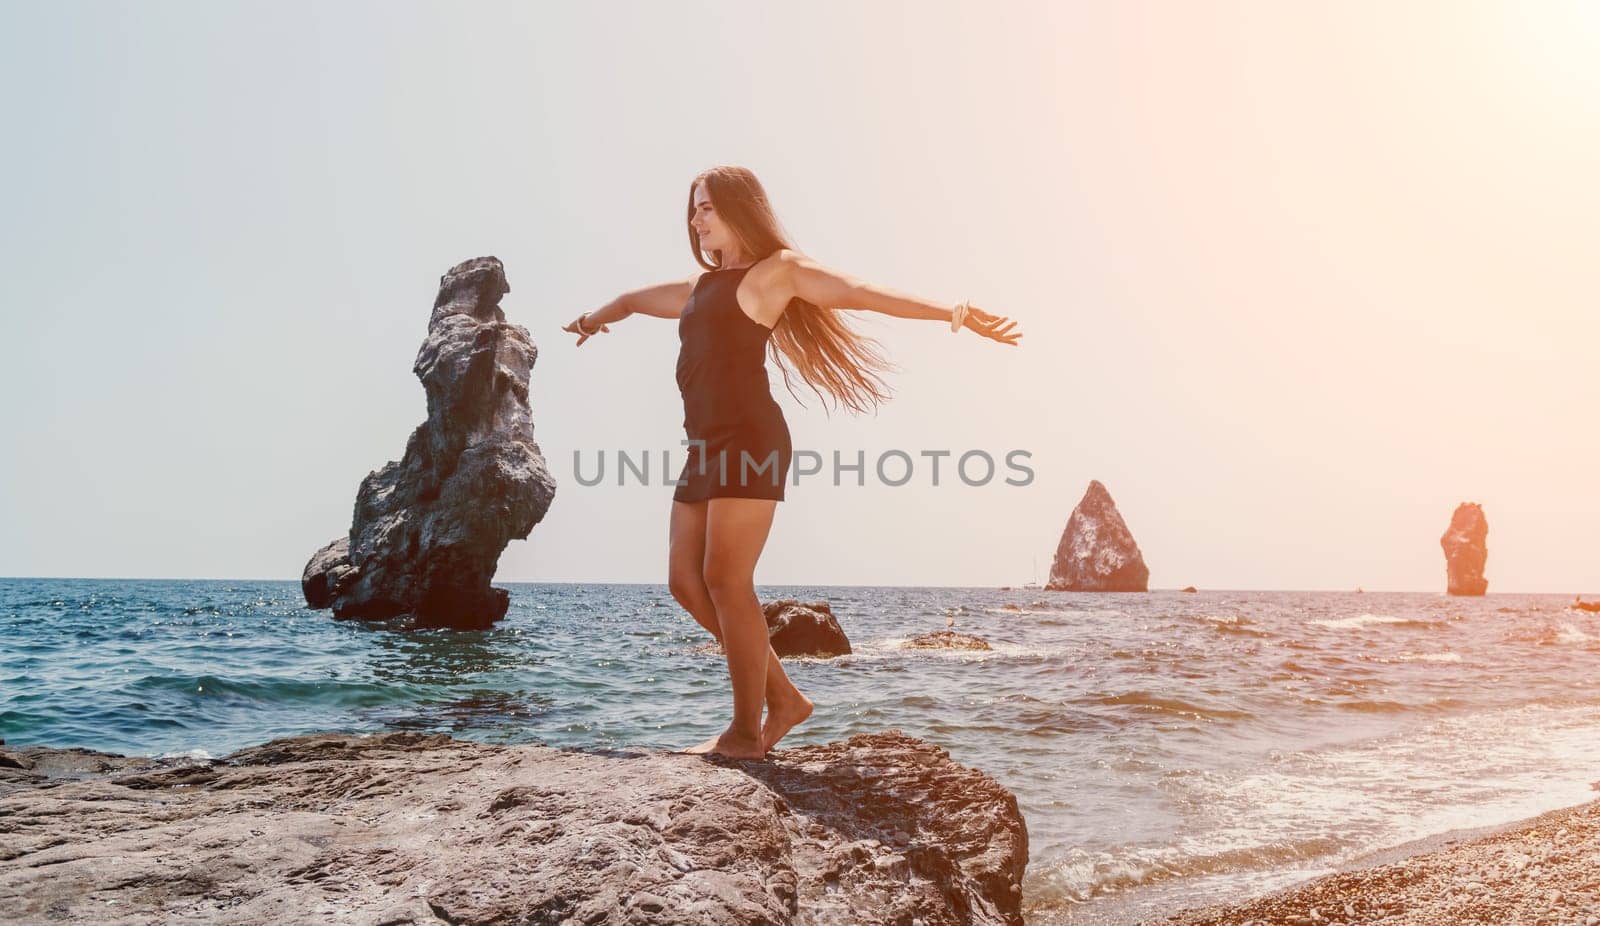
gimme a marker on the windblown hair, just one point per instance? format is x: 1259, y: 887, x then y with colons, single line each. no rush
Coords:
x: 827, y: 353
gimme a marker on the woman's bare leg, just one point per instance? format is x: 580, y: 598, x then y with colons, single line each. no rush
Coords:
x: 736, y: 532
x: 686, y: 556
x: 786, y: 706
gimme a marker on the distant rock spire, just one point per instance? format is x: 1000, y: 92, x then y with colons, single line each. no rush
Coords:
x: 1097, y: 552
x: 1465, y: 550
x: 428, y: 530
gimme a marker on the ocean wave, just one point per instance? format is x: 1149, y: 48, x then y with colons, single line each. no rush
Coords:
x: 896, y: 646
x: 1431, y: 657
x: 1366, y: 706
x: 1233, y: 624
x: 1563, y: 633
x: 1363, y: 620
x: 269, y: 691
x: 196, y: 753
x: 1053, y: 612
x: 1082, y: 876
x: 1148, y: 700
x: 1446, y: 656
x: 1438, y: 705
x: 1567, y: 633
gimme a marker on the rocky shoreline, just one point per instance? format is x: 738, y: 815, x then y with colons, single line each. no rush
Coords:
x: 1543, y: 870
x: 400, y: 828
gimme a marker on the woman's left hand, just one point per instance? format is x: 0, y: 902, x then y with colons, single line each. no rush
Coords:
x: 997, y: 327
x: 577, y: 328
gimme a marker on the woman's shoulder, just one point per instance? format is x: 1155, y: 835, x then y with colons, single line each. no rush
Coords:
x: 775, y: 264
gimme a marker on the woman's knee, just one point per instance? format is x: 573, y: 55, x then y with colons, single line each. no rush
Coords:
x: 686, y: 586
x: 727, y: 581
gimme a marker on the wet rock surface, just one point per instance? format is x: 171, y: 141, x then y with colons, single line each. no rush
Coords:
x: 412, y: 828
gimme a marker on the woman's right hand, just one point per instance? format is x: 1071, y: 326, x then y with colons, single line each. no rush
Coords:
x: 582, y: 330
x: 997, y: 327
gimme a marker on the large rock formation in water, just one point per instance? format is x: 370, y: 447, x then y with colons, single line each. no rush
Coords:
x: 1466, y: 550
x: 404, y: 828
x: 428, y: 530
x: 1097, y: 552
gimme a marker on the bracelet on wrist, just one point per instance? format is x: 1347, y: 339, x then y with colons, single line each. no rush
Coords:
x: 959, y: 315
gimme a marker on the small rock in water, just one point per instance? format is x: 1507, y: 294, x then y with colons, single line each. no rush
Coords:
x: 796, y: 628
x: 947, y: 639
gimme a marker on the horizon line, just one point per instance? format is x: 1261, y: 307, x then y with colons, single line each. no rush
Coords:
x: 1352, y: 591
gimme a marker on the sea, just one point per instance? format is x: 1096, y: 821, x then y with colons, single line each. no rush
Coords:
x: 1167, y: 749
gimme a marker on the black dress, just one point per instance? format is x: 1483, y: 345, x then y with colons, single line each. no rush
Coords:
x: 727, y: 404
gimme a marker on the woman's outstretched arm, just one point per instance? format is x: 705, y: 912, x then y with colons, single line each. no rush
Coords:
x: 665, y: 300
x: 823, y: 286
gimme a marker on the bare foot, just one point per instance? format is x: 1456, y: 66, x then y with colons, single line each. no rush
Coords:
x: 782, y: 719
x: 704, y: 747
x: 728, y: 744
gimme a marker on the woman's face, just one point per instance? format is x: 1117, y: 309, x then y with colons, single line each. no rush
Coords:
x: 713, y: 233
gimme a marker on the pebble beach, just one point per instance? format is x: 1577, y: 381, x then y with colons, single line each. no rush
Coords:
x: 1544, y: 870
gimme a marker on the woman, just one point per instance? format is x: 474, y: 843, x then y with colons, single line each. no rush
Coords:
x: 758, y: 295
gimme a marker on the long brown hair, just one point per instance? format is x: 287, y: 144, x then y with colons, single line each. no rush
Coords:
x: 826, y: 352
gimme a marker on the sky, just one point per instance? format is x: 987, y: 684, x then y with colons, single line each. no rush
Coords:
x: 1295, y: 279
